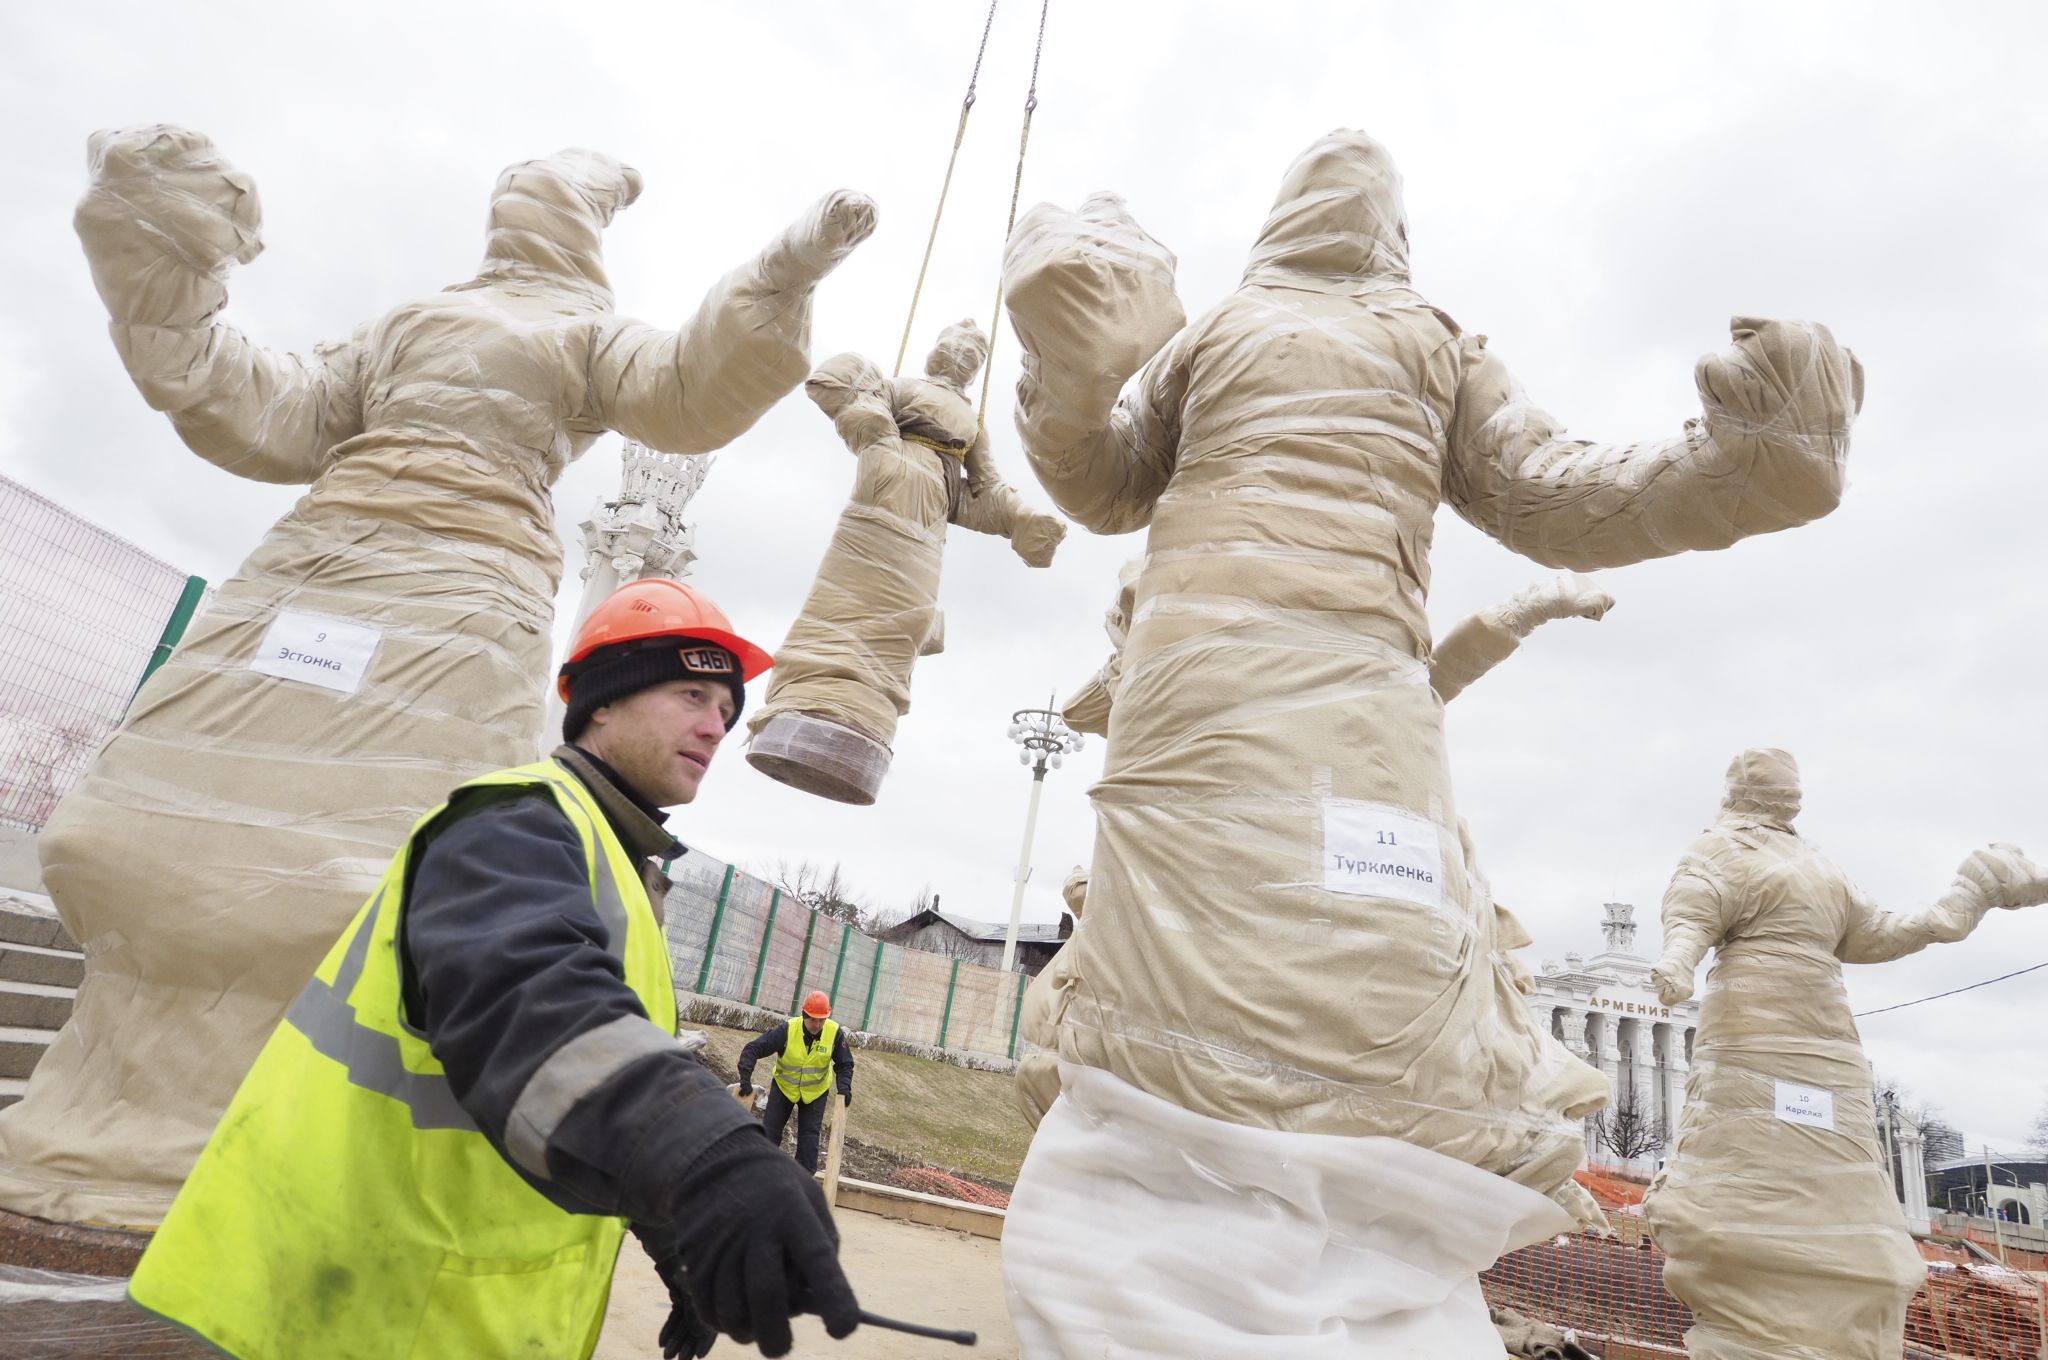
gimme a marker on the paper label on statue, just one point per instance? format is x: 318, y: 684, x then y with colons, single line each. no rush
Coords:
x: 1372, y: 850
x: 320, y: 651
x: 1806, y: 1105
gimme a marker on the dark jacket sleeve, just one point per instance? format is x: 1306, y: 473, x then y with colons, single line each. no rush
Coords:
x: 508, y: 974
x: 769, y: 1045
x: 842, y: 1062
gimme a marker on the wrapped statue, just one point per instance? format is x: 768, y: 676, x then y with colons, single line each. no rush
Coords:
x: 1037, y: 1079
x: 1470, y: 650
x: 842, y: 676
x: 387, y: 639
x: 1286, y: 1016
x: 1774, y: 1210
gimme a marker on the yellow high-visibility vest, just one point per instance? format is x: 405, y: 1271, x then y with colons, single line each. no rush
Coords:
x: 347, y: 1207
x: 802, y: 1072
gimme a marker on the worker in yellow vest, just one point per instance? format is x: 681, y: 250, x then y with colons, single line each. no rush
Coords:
x: 438, y: 1152
x: 804, y: 1047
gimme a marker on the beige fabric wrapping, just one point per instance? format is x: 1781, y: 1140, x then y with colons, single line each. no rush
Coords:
x: 874, y: 602
x: 1780, y: 1227
x: 1249, y: 955
x: 236, y: 821
x: 1038, y: 1071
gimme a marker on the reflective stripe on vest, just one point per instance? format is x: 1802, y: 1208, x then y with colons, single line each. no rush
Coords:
x: 802, y: 1070
x: 347, y: 1206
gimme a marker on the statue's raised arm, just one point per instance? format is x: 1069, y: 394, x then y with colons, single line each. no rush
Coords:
x: 1768, y: 452
x: 701, y: 387
x: 1091, y: 295
x: 162, y: 219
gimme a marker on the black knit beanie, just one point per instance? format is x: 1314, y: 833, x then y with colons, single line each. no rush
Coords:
x: 610, y: 674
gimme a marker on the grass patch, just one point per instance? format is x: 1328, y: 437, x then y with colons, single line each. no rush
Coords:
x: 934, y: 1113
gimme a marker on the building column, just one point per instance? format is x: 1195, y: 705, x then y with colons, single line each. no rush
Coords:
x: 1913, y: 1172
x: 1572, y: 1029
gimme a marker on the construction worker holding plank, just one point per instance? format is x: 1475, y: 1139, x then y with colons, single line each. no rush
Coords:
x: 803, y: 1046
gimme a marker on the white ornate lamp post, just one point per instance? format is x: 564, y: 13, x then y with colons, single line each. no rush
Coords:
x: 1046, y: 742
x: 636, y: 533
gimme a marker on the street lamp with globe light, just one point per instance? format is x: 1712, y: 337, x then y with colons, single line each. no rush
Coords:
x: 1045, y: 741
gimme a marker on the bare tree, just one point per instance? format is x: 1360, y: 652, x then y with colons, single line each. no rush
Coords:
x: 823, y: 890
x: 45, y: 758
x: 2039, y: 1137
x: 1627, y: 1128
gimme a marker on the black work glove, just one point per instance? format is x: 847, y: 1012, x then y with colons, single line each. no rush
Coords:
x: 685, y: 1336
x: 757, y: 1244
x: 846, y: 1094
x: 746, y: 1086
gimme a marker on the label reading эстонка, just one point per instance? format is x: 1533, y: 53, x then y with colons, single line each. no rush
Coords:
x: 320, y: 651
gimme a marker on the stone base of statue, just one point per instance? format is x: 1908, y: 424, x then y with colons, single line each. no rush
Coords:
x: 820, y: 757
x: 63, y: 1292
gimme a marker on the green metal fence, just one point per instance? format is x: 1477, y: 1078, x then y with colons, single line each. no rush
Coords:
x: 737, y: 938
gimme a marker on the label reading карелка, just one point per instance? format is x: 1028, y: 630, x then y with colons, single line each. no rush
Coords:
x: 1809, y: 1106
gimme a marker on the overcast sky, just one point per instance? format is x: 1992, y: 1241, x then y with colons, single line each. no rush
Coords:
x: 1596, y: 188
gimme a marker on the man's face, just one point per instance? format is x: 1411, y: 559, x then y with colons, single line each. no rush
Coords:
x: 813, y: 1026
x: 662, y: 738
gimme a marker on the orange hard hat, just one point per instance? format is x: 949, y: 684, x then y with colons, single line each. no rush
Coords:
x: 817, y: 1005
x: 657, y: 608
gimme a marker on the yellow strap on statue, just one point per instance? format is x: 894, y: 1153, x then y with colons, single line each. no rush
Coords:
x: 950, y: 450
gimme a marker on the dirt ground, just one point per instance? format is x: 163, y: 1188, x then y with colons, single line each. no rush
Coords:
x: 915, y: 1112
x: 896, y: 1268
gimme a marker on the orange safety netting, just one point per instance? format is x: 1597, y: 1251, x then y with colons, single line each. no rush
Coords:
x: 1610, y: 1292
x: 926, y: 1181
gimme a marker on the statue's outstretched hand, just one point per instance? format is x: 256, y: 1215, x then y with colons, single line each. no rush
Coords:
x: 1570, y: 596
x: 2004, y: 877
x: 815, y: 243
x: 1674, y: 986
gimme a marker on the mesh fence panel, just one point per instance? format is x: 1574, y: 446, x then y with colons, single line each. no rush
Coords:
x: 781, y: 954
x: 822, y: 962
x: 921, y: 995
x: 688, y: 911
x: 983, y: 1015
x: 81, y: 611
x: 884, y: 986
x: 863, y: 957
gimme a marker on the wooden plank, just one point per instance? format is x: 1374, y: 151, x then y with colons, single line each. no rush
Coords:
x: 891, y: 1202
x: 840, y: 1109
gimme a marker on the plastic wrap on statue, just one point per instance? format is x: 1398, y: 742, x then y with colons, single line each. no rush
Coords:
x: 842, y: 676
x: 1778, y: 1222
x: 1470, y: 650
x: 1283, y: 934
x: 387, y: 639
x: 1037, y: 1081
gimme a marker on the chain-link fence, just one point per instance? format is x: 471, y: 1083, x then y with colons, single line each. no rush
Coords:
x: 84, y: 614
x: 735, y: 937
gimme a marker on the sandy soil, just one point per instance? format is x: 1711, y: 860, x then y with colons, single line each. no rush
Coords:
x: 895, y: 1268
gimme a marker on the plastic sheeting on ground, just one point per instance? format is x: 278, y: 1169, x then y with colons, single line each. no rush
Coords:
x: 1140, y: 1229
x: 923, y: 462
x: 1282, y: 933
x: 387, y: 639
x: 1780, y: 1223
